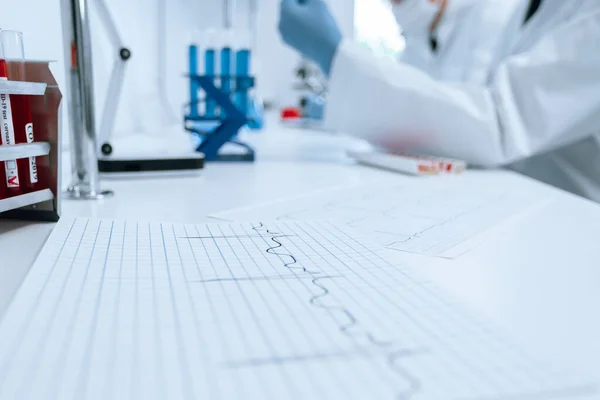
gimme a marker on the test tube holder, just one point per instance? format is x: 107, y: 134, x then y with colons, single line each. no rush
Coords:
x: 228, y: 122
x: 45, y: 97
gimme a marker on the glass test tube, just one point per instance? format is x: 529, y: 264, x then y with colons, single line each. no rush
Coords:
x: 226, y: 72
x: 10, y: 176
x: 193, y: 60
x: 209, y: 67
x: 229, y: 8
x: 14, y: 52
x: 242, y: 69
x: 3, y: 75
x: 246, y: 60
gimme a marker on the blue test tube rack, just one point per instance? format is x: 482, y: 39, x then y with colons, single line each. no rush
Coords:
x: 226, y: 106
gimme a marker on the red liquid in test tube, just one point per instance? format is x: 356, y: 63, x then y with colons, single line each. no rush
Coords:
x: 3, y: 74
x: 10, y: 184
x: 23, y: 123
x: 12, y: 42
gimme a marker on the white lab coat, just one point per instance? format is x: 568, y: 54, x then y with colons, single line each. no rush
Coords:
x: 533, y: 105
x: 464, y: 54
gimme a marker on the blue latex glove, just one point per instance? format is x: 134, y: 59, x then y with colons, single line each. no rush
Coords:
x: 309, y: 27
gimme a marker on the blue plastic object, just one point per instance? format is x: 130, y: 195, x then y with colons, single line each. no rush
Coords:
x: 314, y: 107
x: 214, y: 131
x: 256, y: 114
x: 209, y: 70
x: 242, y: 69
x: 228, y: 106
x: 226, y: 71
x: 193, y: 60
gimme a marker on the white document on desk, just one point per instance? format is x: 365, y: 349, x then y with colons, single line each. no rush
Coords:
x: 435, y: 217
x: 286, y: 310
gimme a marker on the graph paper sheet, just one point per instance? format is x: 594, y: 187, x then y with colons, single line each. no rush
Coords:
x: 443, y: 218
x: 288, y: 310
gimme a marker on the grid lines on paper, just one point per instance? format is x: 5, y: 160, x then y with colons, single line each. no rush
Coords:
x: 443, y: 218
x: 131, y: 310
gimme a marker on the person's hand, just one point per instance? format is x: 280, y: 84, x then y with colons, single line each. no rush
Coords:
x: 419, y: 16
x: 309, y: 27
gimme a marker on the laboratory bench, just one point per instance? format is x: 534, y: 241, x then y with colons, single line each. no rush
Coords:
x: 537, y: 276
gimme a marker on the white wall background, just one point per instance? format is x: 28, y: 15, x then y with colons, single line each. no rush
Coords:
x: 141, y: 107
x: 42, y: 32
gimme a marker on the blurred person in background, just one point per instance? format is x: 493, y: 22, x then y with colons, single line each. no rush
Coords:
x: 453, y: 40
x: 494, y: 82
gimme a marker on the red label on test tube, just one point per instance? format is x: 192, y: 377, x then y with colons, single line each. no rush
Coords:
x: 14, y: 54
x: 3, y: 193
x: 11, y: 170
x: 23, y: 123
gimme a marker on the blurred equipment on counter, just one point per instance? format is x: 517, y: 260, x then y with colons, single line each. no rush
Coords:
x: 221, y: 83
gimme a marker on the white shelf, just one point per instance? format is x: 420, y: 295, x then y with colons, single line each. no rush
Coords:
x: 25, y: 200
x: 17, y: 87
x: 18, y: 151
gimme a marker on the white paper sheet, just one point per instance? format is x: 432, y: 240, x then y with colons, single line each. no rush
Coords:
x: 434, y: 217
x: 130, y: 310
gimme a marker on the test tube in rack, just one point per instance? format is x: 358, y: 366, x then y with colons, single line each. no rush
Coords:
x: 11, y: 185
x: 12, y: 42
x: 193, y: 60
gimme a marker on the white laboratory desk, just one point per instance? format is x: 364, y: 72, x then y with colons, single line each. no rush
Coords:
x: 537, y: 276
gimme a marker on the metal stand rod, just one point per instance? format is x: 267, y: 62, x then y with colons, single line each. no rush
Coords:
x: 85, y: 177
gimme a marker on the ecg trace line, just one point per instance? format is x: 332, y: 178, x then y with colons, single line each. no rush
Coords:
x: 414, y: 383
x: 285, y: 375
x: 424, y: 244
x: 394, y: 304
x: 288, y: 265
x: 392, y: 359
x: 299, y: 358
x: 338, y: 251
x: 444, y: 339
x: 227, y: 237
x: 346, y: 329
x: 434, y: 295
x: 315, y: 299
x: 449, y: 346
x: 419, y: 234
x: 307, y: 335
x: 260, y: 278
